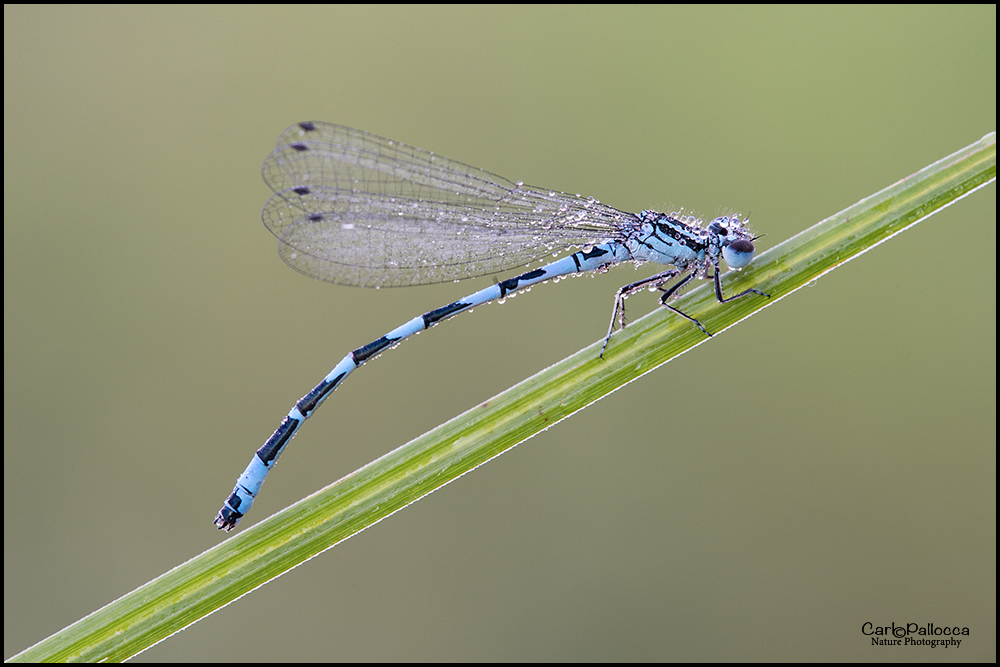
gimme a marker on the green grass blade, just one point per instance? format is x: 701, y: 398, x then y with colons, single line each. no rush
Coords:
x: 262, y: 552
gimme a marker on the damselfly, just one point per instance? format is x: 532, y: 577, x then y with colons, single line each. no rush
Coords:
x: 353, y: 208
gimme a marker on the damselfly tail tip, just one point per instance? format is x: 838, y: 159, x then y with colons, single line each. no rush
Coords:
x: 227, y: 519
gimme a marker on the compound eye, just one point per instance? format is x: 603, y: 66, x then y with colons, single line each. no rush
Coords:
x: 738, y: 253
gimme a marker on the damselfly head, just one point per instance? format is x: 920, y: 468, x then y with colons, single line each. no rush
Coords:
x: 736, y: 242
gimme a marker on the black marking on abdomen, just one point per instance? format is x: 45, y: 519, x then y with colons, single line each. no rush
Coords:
x: 272, y: 448
x: 363, y: 354
x: 433, y: 317
x: 230, y: 510
x: 310, y: 401
x: 511, y: 284
x: 594, y: 252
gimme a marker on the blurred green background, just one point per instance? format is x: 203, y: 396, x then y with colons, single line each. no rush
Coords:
x: 829, y: 462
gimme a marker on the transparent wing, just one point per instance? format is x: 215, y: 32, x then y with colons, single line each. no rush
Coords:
x: 357, y: 209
